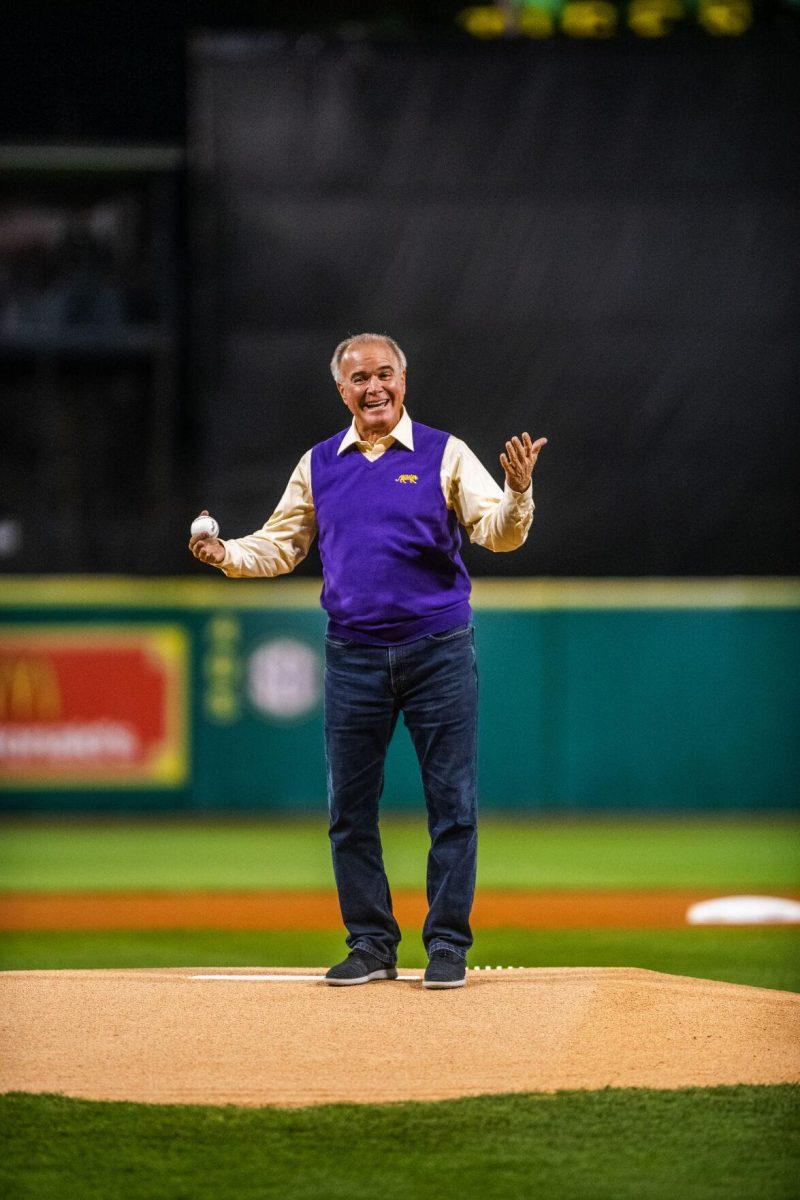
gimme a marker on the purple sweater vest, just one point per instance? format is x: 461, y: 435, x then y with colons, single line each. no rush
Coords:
x: 389, y: 545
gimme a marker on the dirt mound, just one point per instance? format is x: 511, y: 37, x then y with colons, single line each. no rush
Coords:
x: 214, y: 1036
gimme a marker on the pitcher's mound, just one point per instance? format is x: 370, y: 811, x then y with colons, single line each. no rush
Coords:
x: 260, y: 1036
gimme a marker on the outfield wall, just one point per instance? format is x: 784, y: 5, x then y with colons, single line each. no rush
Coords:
x: 122, y: 694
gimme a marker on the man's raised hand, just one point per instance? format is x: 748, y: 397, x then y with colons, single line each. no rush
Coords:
x: 205, y: 547
x: 519, y: 460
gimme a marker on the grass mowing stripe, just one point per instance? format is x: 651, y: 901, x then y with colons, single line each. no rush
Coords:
x: 724, y: 853
x: 759, y: 957
x: 701, y: 1144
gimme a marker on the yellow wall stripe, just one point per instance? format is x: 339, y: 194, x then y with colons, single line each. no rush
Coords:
x: 68, y: 591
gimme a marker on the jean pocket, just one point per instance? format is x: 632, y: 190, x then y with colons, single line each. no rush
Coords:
x: 339, y: 643
x: 448, y: 635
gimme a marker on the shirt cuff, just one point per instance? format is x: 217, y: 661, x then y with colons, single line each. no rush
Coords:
x: 519, y: 497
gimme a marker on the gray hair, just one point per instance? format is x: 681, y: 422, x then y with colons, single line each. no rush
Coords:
x: 358, y: 339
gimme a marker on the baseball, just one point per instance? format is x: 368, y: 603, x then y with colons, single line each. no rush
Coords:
x: 205, y: 525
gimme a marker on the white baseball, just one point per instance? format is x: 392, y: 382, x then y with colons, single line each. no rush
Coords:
x: 205, y: 525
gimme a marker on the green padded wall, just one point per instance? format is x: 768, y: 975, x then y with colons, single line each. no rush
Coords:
x: 606, y: 695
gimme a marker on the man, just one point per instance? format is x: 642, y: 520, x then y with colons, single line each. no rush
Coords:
x: 386, y: 496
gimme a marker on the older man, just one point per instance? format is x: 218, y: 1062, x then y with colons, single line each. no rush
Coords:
x: 386, y: 496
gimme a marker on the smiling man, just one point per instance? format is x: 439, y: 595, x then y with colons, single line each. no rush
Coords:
x: 386, y: 497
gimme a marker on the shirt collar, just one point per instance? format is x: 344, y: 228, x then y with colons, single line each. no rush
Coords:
x: 403, y: 432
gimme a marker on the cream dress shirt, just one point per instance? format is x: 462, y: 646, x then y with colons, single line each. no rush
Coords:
x: 494, y: 518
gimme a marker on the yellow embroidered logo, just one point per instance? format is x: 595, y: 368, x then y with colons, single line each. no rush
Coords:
x: 407, y: 479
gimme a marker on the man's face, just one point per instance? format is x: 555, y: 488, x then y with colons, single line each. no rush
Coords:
x: 372, y: 386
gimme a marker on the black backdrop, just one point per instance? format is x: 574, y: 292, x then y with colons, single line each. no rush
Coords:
x: 594, y: 243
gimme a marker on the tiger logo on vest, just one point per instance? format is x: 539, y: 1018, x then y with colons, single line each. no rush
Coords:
x: 407, y: 479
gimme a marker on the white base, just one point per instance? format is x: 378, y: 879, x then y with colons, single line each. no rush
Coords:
x: 745, y: 910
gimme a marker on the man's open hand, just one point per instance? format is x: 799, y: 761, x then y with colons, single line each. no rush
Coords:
x: 519, y: 460
x: 205, y: 547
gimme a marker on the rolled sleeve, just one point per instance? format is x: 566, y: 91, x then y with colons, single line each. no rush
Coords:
x: 284, y: 540
x: 498, y: 519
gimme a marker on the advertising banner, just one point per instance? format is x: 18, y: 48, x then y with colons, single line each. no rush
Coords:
x: 93, y: 705
x: 206, y: 697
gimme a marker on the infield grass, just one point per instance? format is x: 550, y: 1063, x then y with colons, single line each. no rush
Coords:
x: 759, y: 957
x: 610, y: 1145
x: 702, y: 1144
x: 725, y: 853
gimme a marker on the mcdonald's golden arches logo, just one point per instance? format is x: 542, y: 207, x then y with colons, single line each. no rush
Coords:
x: 29, y: 690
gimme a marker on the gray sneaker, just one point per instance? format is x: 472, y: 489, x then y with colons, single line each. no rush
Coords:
x: 446, y: 969
x: 359, y: 967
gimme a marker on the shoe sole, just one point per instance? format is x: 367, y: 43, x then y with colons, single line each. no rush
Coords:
x: 388, y: 973
x: 426, y: 983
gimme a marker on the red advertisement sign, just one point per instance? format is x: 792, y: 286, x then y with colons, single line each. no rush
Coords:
x: 91, y: 704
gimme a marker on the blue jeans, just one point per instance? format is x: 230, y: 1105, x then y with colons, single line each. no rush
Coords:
x: 433, y: 682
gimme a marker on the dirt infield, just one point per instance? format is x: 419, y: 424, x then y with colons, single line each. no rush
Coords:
x: 169, y: 1036
x: 590, y: 909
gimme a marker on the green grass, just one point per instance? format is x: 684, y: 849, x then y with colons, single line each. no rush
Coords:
x: 609, y: 1145
x: 760, y: 957
x: 703, y: 1144
x: 719, y: 853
